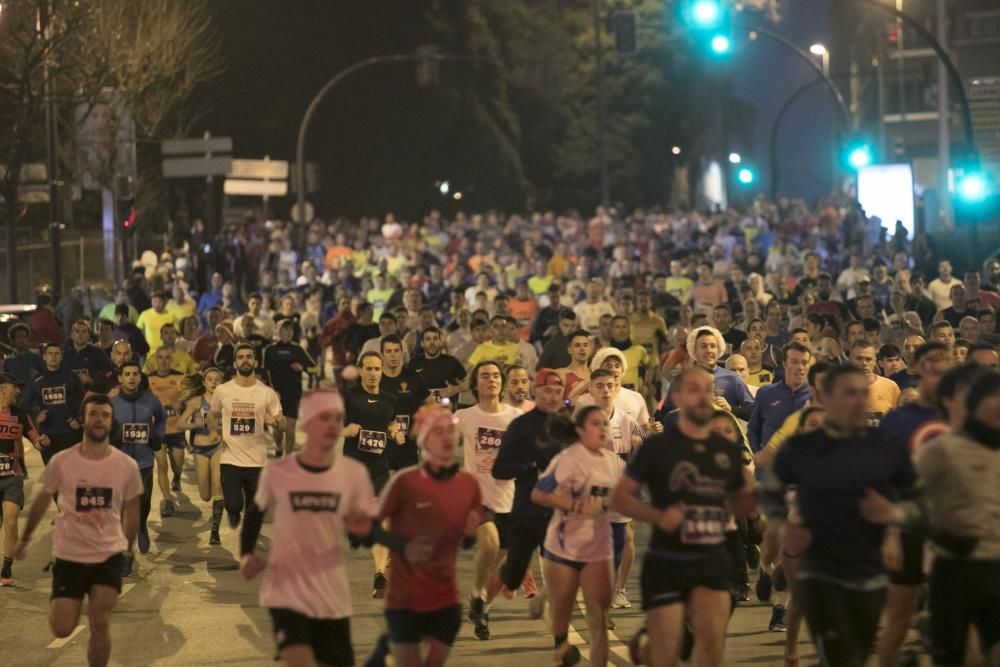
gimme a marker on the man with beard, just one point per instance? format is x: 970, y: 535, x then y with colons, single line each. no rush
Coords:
x: 694, y: 478
x: 245, y: 405
x: 97, y: 522
x: 517, y: 389
x: 441, y: 373
x: 107, y: 382
x: 834, y: 313
x: 410, y: 392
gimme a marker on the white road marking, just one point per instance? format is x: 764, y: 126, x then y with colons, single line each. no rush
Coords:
x: 615, y: 643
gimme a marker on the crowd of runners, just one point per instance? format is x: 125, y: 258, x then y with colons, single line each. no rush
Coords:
x: 802, y: 408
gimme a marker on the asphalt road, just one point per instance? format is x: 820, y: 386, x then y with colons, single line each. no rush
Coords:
x: 188, y: 605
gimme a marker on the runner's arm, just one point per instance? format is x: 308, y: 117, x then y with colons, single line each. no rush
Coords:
x: 625, y: 500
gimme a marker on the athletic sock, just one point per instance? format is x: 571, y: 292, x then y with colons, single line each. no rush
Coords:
x: 8, y: 564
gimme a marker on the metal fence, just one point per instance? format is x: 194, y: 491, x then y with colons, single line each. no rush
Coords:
x: 82, y: 264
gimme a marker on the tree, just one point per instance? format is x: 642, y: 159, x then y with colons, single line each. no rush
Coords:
x: 148, y: 56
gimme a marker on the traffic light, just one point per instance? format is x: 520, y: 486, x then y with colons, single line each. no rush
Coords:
x: 625, y: 28
x: 858, y: 154
x: 709, y: 23
x: 972, y: 186
x: 746, y: 176
x: 128, y: 224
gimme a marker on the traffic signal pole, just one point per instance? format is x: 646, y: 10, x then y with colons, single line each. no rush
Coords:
x: 602, y: 149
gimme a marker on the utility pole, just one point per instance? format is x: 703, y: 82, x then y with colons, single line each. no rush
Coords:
x: 602, y: 153
x: 51, y: 160
x: 944, y: 124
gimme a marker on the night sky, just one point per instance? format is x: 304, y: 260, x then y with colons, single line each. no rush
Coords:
x: 377, y: 131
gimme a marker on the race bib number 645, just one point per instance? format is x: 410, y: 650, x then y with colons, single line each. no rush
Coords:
x: 93, y: 498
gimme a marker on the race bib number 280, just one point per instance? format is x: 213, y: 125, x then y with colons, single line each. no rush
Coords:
x: 6, y: 465
x: 242, y: 425
x: 93, y: 498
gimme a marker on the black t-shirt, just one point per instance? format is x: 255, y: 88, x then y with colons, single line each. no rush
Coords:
x: 699, y: 473
x: 410, y: 392
x: 735, y: 338
x: 278, y: 360
x: 374, y: 412
x: 438, y: 372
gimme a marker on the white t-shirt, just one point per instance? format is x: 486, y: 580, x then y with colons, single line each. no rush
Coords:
x: 628, y: 400
x: 578, y: 472
x: 244, y: 411
x: 588, y: 315
x: 306, y: 569
x: 92, y: 493
x: 482, y: 433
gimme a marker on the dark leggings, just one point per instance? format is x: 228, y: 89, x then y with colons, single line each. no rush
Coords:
x: 239, y: 486
x: 146, y: 501
x: 963, y: 593
x: 736, y: 548
x: 521, y: 543
x: 843, y: 621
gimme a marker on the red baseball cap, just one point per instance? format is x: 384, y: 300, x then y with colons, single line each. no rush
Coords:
x: 547, y: 376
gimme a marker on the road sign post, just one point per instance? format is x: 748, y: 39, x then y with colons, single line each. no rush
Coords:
x: 206, y: 158
x: 258, y: 178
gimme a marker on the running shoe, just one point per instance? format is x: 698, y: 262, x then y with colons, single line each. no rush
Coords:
x: 621, y: 600
x: 763, y: 588
x: 127, y: 567
x: 479, y: 617
x: 167, y: 508
x: 777, y: 623
x: 213, y: 537
x: 378, y: 586
x: 7, y: 580
x: 742, y: 593
x: 536, y: 606
x: 567, y: 655
x: 636, y: 646
x: 143, y: 540
x: 528, y: 586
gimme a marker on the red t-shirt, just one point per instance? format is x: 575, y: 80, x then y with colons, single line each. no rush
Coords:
x: 416, y: 504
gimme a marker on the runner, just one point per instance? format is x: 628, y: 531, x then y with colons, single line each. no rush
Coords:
x: 517, y: 389
x: 139, y: 426
x: 53, y: 400
x: 883, y: 393
x: 443, y: 374
x: 624, y: 437
x: 632, y: 402
x: 482, y: 428
x: 246, y: 406
x: 842, y: 557
x: 165, y: 383
x: 578, y: 542
x: 576, y: 374
x: 284, y: 363
x: 15, y: 424
x: 440, y: 503
x: 82, y: 357
x: 689, y: 472
x: 526, y: 449
x: 962, y: 499
x: 313, y: 495
x: 97, y: 521
x: 911, y: 426
x: 206, y: 435
x: 410, y: 392
x: 371, y: 426
x: 180, y: 360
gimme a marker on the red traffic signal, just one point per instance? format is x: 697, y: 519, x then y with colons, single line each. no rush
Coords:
x: 129, y: 222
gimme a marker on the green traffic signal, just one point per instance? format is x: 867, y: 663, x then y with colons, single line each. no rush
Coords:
x: 859, y: 156
x: 745, y: 176
x: 706, y: 14
x: 972, y: 187
x: 720, y: 44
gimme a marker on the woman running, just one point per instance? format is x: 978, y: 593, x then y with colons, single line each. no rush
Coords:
x: 577, y: 552
x: 437, y: 503
x: 206, y: 434
x: 737, y: 534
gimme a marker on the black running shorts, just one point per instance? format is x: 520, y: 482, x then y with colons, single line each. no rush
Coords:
x: 74, y: 580
x: 330, y: 638
x: 666, y: 581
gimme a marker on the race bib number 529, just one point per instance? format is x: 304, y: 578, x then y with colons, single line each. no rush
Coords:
x: 242, y: 425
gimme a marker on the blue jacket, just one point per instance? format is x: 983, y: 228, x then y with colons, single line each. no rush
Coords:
x: 733, y: 389
x: 139, y: 426
x: 23, y: 366
x: 775, y: 402
x: 59, y: 393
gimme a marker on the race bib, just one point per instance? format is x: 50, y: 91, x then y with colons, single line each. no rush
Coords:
x: 371, y: 441
x: 703, y: 525
x: 403, y: 423
x: 7, y: 466
x: 135, y: 433
x: 600, y: 491
x: 487, y: 445
x: 93, y: 498
x: 54, y: 395
x: 242, y: 425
